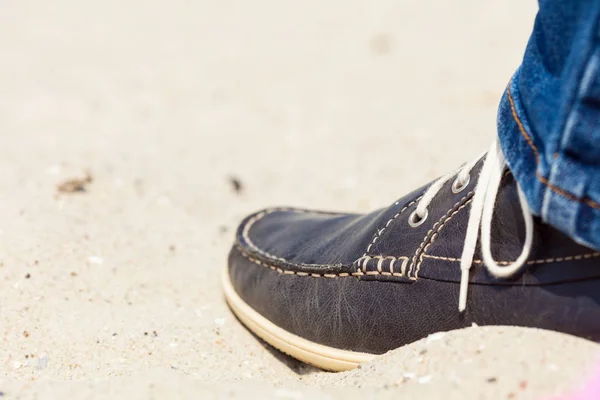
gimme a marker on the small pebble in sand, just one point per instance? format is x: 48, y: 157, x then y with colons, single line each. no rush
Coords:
x: 42, y: 362
x: 409, y: 375
x: 236, y: 185
x: 17, y: 365
x: 95, y: 260
x: 220, y: 321
x: 424, y: 379
x: 26, y: 334
x: 75, y: 185
x: 27, y: 276
x: 493, y: 379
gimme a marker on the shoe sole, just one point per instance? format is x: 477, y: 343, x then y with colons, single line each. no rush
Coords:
x: 325, y: 357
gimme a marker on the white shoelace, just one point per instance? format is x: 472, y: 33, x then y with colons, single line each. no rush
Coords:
x: 482, y: 211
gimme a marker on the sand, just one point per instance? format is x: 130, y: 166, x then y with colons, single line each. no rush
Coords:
x: 187, y: 115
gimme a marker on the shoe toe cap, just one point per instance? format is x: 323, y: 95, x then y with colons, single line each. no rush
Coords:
x: 298, y: 236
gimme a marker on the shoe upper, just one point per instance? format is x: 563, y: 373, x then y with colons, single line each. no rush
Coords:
x: 328, y: 276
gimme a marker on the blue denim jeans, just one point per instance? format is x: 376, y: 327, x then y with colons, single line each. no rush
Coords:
x: 549, y: 119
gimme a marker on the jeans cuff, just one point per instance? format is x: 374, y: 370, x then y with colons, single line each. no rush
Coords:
x: 529, y: 163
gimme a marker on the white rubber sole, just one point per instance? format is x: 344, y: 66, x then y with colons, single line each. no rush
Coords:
x: 324, y: 357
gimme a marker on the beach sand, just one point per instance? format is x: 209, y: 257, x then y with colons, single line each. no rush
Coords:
x: 134, y: 136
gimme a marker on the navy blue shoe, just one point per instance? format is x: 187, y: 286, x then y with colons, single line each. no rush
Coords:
x: 335, y: 290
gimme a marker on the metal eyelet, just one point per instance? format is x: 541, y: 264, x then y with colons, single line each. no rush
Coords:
x: 414, y: 220
x: 458, y: 187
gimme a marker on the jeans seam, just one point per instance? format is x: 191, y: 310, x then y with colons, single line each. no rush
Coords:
x: 586, y: 200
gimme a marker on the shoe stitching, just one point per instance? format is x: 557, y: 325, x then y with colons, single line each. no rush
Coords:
x: 260, y: 215
x: 435, y: 235
x: 433, y: 232
x: 424, y: 254
x: 529, y: 140
x: 358, y: 273
x: 437, y: 228
x: 299, y: 273
x: 530, y: 262
x: 363, y: 261
x: 264, y: 213
x: 391, y: 273
x: 363, y: 265
x: 387, y: 224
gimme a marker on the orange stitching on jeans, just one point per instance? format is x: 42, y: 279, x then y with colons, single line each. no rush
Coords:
x: 566, y: 194
x: 521, y: 127
x: 554, y: 188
